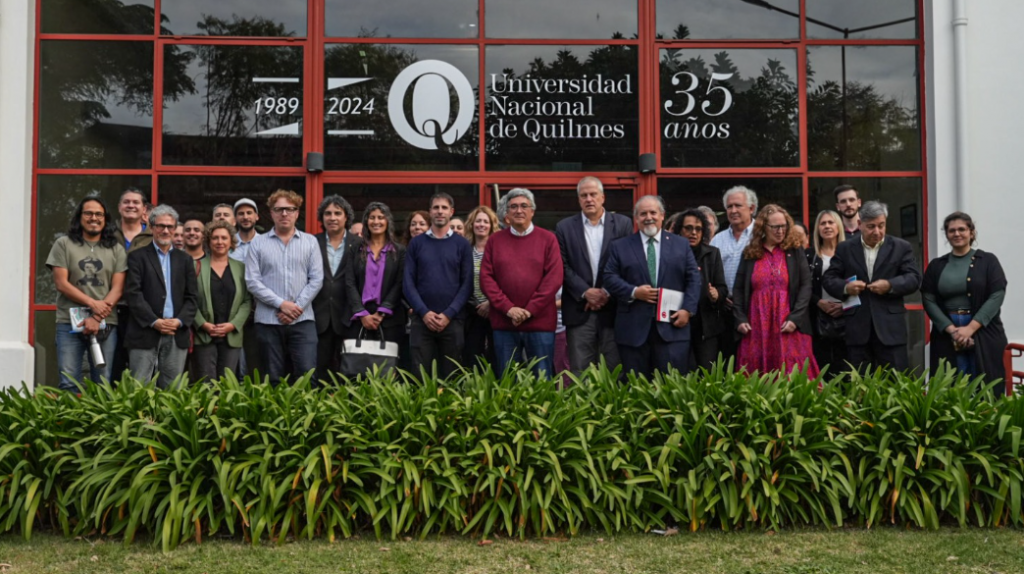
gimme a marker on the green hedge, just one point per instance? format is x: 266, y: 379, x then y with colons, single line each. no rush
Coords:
x: 478, y: 454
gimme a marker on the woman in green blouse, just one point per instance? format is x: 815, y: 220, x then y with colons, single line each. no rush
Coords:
x: 963, y: 293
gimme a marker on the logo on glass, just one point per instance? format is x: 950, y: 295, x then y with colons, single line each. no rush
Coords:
x: 432, y: 125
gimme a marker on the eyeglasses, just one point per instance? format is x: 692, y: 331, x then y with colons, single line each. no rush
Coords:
x: 520, y: 207
x: 165, y: 226
x: 93, y: 214
x: 285, y: 210
x: 958, y: 230
x: 778, y: 227
x: 692, y: 228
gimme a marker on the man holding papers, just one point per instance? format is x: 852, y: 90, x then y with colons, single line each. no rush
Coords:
x: 642, y: 268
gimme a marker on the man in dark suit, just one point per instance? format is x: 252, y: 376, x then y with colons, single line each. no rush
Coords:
x: 160, y: 289
x: 881, y: 271
x: 588, y: 311
x: 638, y: 266
x: 335, y: 215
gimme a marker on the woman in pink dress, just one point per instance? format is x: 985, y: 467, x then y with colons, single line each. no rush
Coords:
x: 772, y: 295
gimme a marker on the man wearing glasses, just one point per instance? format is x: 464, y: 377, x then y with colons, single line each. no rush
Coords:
x: 284, y: 271
x: 520, y: 274
x: 161, y: 292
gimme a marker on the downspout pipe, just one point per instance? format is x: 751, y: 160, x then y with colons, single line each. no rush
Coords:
x: 960, y: 102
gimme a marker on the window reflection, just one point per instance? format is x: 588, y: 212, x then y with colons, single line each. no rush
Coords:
x: 554, y: 205
x: 596, y: 19
x: 233, y: 18
x: 683, y: 193
x: 96, y: 103
x: 729, y: 108
x: 430, y: 124
x: 194, y: 197
x: 721, y: 19
x: 46, y: 348
x: 402, y: 19
x: 56, y: 199
x: 244, y: 107
x: 552, y: 108
x: 862, y: 19
x: 97, y: 17
x: 863, y: 108
x: 404, y: 199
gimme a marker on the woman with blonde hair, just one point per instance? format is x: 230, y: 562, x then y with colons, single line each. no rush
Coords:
x: 827, y: 322
x: 771, y: 295
x: 481, y: 223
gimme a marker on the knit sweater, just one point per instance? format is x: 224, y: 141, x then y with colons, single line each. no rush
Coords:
x: 438, y: 274
x: 522, y: 272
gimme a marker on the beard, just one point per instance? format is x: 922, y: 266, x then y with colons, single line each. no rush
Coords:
x: 650, y: 229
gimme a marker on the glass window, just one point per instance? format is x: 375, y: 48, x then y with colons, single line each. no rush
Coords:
x: 863, y: 108
x: 56, y: 200
x: 402, y: 200
x: 194, y: 197
x: 729, y: 108
x: 96, y: 103
x: 554, y: 205
x: 233, y: 18
x: 552, y: 108
x: 597, y: 19
x: 862, y: 19
x: 46, y: 348
x: 903, y: 195
x: 402, y: 19
x: 683, y: 193
x: 747, y: 19
x: 401, y: 107
x: 241, y: 105
x: 78, y: 17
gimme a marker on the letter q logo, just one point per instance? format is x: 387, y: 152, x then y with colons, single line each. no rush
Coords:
x: 432, y: 125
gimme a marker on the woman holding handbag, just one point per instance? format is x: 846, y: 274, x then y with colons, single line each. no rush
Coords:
x: 374, y: 273
x: 826, y: 311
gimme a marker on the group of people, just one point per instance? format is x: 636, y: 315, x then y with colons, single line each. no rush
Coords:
x: 162, y: 296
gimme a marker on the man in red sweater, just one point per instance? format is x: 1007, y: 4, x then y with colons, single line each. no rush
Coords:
x: 520, y: 274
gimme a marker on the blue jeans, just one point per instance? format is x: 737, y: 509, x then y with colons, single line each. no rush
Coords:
x: 965, y: 360
x: 71, y: 347
x: 288, y: 349
x: 524, y: 346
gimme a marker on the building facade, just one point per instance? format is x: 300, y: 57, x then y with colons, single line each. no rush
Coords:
x: 200, y: 103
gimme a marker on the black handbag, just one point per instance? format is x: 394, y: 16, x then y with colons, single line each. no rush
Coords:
x: 361, y: 355
x: 830, y: 327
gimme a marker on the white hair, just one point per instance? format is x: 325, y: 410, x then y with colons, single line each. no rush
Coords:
x: 749, y: 193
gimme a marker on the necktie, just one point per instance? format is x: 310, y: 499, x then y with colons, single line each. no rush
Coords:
x: 652, y: 262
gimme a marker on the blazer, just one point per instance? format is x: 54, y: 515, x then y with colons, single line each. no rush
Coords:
x: 985, y: 277
x: 331, y: 303
x: 391, y: 286
x: 799, y: 290
x: 577, y: 275
x: 709, y: 314
x: 626, y: 269
x: 885, y: 314
x: 145, y: 292
x: 241, y: 305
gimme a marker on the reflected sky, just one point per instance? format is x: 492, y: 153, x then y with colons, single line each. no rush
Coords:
x: 597, y: 19
x: 727, y: 19
x: 183, y: 15
x: 402, y: 19
x: 890, y: 69
x: 862, y: 13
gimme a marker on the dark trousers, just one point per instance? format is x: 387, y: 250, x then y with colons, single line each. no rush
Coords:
x: 212, y: 360
x: 120, y: 360
x: 328, y: 354
x: 831, y: 352
x: 251, y: 360
x: 875, y: 354
x: 288, y: 349
x: 479, y: 341
x: 657, y: 355
x: 703, y: 352
x: 590, y: 341
x: 728, y: 340
x: 429, y: 346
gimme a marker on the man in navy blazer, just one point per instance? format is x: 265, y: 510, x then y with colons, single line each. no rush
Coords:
x: 645, y: 344
x: 588, y: 310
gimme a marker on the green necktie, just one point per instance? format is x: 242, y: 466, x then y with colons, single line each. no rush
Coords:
x: 652, y: 261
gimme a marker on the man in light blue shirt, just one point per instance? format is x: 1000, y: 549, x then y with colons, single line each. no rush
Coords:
x: 740, y: 206
x: 284, y: 272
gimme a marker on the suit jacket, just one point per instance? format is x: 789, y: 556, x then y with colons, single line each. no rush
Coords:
x: 883, y: 313
x: 145, y: 291
x: 331, y: 303
x: 709, y: 319
x: 391, y: 287
x: 576, y: 265
x: 241, y: 305
x: 799, y: 290
x: 627, y: 269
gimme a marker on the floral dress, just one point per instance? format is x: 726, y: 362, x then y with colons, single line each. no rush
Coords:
x: 766, y: 348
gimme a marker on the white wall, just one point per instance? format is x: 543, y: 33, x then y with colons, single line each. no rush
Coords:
x: 17, y: 25
x: 995, y: 122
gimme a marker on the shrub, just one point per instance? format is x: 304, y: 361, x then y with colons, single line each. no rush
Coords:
x: 481, y: 454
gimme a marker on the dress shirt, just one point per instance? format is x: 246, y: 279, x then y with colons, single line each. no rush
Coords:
x: 430, y: 232
x: 373, y: 287
x: 870, y: 255
x: 594, y: 236
x: 165, y: 266
x: 276, y: 272
x: 335, y: 256
x: 528, y: 231
x: 644, y: 240
x: 732, y: 251
x: 240, y: 252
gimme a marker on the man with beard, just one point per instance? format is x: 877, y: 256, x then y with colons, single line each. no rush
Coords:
x: 848, y: 205
x: 179, y: 237
x: 438, y: 280
x: 329, y: 305
x: 246, y: 216
x: 638, y: 266
x: 133, y: 234
x: 194, y: 240
x: 223, y: 212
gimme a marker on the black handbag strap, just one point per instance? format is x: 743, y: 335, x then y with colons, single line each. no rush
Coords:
x: 362, y: 330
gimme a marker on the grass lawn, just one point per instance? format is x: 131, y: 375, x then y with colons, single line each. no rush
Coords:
x: 794, y: 552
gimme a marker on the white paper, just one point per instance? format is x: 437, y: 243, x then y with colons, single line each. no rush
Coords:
x: 853, y: 300
x: 669, y: 301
